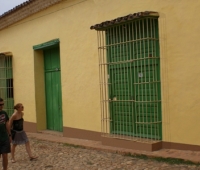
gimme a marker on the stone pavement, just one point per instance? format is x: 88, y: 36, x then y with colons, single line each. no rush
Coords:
x: 193, y: 156
x: 61, y: 153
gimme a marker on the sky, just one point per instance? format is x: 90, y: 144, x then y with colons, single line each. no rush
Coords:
x: 6, y: 5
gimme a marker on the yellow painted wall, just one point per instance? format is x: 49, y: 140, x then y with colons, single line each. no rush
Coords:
x: 70, y: 22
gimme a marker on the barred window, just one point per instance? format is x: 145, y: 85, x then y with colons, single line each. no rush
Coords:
x: 6, y: 82
x: 129, y: 67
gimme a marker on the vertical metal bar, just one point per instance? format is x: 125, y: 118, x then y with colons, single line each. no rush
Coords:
x: 141, y: 71
x: 117, y: 77
x: 108, y: 118
x: 130, y: 83
x: 120, y: 80
x: 107, y: 83
x: 111, y: 86
x: 123, y: 85
x: 133, y: 71
x: 156, y: 74
x: 111, y: 77
x: 100, y: 80
x: 102, y: 85
x: 137, y: 109
x: 114, y: 79
x: 159, y: 79
x: 117, y: 81
x: 127, y: 81
x: 118, y: 96
x: 144, y: 80
x: 104, y: 78
x: 153, y: 79
x: 149, y: 79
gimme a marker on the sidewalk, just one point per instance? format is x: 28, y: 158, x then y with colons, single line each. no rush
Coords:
x: 193, y: 156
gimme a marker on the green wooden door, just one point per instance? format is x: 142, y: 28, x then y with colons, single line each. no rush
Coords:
x: 134, y: 79
x: 121, y: 89
x: 53, y: 89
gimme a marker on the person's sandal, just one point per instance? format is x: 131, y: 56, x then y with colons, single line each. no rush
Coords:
x: 33, y: 158
x: 13, y: 161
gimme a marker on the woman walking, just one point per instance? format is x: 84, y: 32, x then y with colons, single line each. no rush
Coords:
x: 19, y: 136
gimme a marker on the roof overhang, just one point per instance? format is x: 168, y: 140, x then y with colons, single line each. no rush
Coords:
x: 24, y: 10
x: 120, y: 20
x: 6, y: 54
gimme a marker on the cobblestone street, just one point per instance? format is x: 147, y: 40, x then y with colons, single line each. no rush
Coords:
x: 59, y: 156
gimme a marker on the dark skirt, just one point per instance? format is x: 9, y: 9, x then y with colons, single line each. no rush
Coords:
x: 20, y: 138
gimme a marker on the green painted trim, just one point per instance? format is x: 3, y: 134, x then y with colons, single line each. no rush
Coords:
x: 46, y: 44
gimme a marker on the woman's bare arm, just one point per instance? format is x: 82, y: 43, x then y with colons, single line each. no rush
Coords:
x: 13, y: 117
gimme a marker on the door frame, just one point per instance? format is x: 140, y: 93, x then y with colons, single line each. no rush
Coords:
x: 39, y: 80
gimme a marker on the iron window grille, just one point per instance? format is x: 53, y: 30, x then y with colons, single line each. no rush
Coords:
x: 6, y: 82
x: 129, y: 75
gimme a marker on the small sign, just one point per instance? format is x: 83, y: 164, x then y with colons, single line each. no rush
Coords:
x: 114, y: 98
x: 140, y: 74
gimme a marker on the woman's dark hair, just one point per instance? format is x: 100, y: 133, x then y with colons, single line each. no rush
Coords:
x: 17, y: 106
x: 1, y: 100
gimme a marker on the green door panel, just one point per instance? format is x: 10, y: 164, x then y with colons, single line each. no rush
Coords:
x: 53, y: 89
